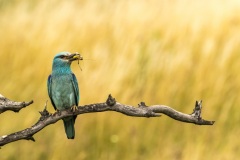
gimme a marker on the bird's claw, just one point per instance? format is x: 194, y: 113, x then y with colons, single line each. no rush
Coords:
x: 74, y: 108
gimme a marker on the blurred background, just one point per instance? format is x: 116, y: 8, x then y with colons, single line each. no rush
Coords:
x: 157, y: 51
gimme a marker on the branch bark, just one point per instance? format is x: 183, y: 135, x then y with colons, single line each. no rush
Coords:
x: 6, y: 104
x: 110, y: 105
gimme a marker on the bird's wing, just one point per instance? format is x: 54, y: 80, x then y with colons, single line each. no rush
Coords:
x: 76, y: 90
x: 49, y: 86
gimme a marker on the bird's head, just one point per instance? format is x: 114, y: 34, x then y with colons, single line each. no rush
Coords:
x: 64, y: 59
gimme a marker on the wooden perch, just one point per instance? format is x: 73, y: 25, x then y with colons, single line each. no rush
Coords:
x: 6, y: 104
x: 110, y: 105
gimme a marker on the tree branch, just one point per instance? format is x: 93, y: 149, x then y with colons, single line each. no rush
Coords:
x: 6, y: 104
x: 110, y: 105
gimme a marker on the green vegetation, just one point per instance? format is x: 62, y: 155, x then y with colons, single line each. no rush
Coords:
x: 161, y: 52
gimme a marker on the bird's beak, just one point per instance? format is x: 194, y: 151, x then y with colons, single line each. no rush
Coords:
x: 75, y: 56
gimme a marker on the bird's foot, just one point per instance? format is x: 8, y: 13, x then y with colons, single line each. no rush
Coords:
x: 74, y: 108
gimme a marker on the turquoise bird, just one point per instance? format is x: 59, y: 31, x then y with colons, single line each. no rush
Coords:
x: 63, y: 88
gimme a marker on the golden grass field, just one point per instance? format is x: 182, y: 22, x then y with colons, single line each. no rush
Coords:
x: 156, y: 51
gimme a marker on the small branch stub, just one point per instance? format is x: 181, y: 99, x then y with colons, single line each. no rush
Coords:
x: 142, y: 104
x: 44, y: 113
x: 111, y: 101
x: 197, y: 110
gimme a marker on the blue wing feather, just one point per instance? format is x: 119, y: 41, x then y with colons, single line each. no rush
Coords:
x: 76, y: 89
x: 49, y: 86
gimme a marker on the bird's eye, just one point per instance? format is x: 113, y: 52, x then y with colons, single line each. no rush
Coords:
x: 62, y: 56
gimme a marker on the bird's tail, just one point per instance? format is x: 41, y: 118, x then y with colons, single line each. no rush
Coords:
x: 69, y: 127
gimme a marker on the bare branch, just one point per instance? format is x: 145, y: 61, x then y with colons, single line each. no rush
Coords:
x: 110, y: 105
x: 6, y: 104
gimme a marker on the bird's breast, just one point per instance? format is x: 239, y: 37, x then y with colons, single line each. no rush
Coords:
x: 63, y: 92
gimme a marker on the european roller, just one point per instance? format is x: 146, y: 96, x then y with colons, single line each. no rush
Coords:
x: 63, y: 88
